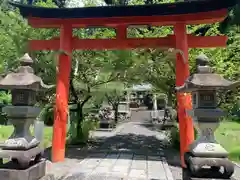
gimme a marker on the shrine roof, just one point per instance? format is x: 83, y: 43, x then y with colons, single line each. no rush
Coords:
x: 178, y: 8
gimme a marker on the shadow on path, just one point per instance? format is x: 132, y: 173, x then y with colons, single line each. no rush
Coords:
x: 123, y: 143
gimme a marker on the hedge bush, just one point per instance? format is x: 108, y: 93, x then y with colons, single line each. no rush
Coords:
x: 88, y: 125
x: 175, y: 137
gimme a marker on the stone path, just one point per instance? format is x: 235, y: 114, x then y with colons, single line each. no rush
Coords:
x: 133, y: 151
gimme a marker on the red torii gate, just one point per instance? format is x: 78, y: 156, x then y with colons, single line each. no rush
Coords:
x: 120, y: 17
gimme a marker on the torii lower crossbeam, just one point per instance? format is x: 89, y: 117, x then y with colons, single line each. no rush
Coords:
x: 131, y: 43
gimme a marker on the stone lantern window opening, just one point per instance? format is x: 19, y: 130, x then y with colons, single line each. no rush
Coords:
x: 23, y: 97
x: 204, y: 99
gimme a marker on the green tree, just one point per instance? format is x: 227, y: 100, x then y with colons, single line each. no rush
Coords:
x: 114, y: 92
x: 93, y: 69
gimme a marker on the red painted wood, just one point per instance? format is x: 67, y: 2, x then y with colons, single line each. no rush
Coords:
x: 62, y: 90
x: 121, y: 32
x: 194, y: 18
x: 182, y: 72
x: 206, y: 41
x: 103, y: 44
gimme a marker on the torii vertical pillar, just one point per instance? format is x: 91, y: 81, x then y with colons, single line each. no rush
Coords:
x: 184, y: 100
x: 62, y: 91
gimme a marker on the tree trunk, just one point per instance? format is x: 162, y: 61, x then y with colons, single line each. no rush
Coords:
x: 81, y: 116
x: 115, y: 107
x: 170, y: 97
x: 79, y: 120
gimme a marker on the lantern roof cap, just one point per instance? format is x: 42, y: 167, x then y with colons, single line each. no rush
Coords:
x: 26, y: 60
x: 24, y: 78
x: 202, y: 60
x: 205, y: 79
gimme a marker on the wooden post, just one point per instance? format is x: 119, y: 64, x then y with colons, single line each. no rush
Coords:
x: 184, y: 100
x: 62, y: 90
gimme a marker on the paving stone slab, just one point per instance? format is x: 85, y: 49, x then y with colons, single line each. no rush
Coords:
x: 100, y: 169
x: 120, y: 169
x: 139, y: 162
x: 154, y: 158
x: 48, y: 177
x: 96, y: 177
x: 123, y: 162
x: 115, y: 178
x: 137, y: 173
x: 74, y: 176
x: 122, y: 175
x: 167, y: 169
x: 81, y: 170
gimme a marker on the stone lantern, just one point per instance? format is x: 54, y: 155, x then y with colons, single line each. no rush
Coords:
x: 21, y: 147
x: 206, y: 157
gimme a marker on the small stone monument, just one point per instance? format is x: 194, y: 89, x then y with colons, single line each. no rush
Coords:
x: 206, y: 157
x: 22, y: 148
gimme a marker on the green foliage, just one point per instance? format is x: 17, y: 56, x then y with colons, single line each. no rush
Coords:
x: 46, y: 115
x: 5, y: 98
x: 235, y: 154
x: 228, y: 136
x: 87, y: 125
x: 3, y: 119
x: 47, y: 4
x: 175, y: 136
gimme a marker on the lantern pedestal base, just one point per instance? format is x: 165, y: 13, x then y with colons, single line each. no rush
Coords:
x: 22, y: 159
x: 208, y: 167
x: 186, y: 175
x: 202, y: 148
x: 34, y: 172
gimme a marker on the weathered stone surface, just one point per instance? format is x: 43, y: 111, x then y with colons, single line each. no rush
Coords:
x: 156, y: 170
x: 137, y: 173
x: 21, y: 155
x: 167, y: 169
x: 48, y: 177
x: 35, y: 172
